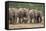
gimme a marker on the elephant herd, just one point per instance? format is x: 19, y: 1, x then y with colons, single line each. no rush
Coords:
x: 24, y: 15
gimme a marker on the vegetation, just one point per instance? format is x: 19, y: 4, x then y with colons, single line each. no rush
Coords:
x: 37, y: 6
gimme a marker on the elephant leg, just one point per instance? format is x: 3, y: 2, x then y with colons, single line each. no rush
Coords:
x: 12, y: 20
x: 37, y: 19
x: 26, y: 19
x: 22, y: 20
x: 40, y: 19
x: 15, y: 20
x: 34, y: 20
x: 19, y: 20
x: 30, y: 20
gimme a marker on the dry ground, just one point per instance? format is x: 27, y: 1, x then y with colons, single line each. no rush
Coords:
x: 25, y: 25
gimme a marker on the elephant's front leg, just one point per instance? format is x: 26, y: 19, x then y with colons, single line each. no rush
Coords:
x: 12, y: 21
x: 22, y: 19
x: 40, y: 18
x: 37, y: 19
x: 19, y: 20
x: 15, y: 20
x: 30, y: 20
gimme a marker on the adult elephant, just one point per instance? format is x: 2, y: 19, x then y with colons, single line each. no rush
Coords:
x: 16, y: 14
x: 22, y: 14
x: 31, y: 15
x: 25, y: 15
x: 11, y: 15
x: 38, y: 16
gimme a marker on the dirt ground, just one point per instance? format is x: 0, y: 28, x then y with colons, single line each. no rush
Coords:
x: 25, y: 26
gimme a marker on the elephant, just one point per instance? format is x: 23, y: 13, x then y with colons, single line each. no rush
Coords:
x: 11, y: 16
x: 25, y: 15
x: 16, y: 14
x: 38, y: 16
x: 22, y: 14
x: 31, y: 15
